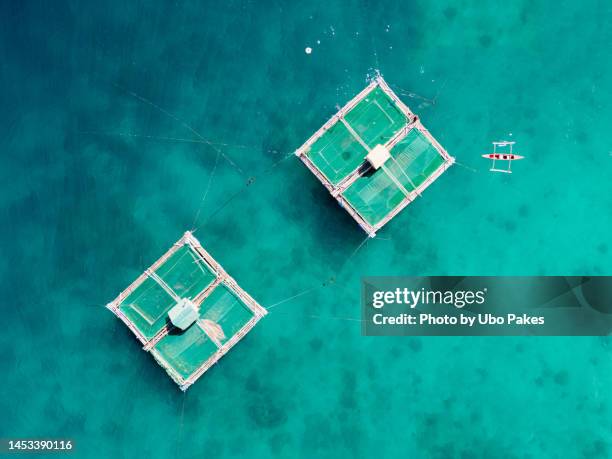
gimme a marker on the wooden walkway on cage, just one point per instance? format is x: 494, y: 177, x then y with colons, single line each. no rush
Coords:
x: 221, y: 278
x: 337, y: 190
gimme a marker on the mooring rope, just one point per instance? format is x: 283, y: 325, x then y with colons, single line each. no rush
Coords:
x: 222, y: 206
x: 250, y: 181
x: 344, y: 263
x: 312, y: 316
x: 203, y: 140
x: 376, y: 71
x: 412, y: 95
x: 210, y: 178
x: 173, y: 139
x: 181, y: 122
x: 292, y: 297
x: 329, y: 281
x: 442, y: 86
x: 471, y: 169
x: 181, y: 424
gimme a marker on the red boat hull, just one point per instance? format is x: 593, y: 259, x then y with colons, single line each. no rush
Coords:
x: 502, y: 156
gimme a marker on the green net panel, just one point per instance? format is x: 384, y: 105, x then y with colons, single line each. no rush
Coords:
x: 226, y: 310
x: 416, y: 157
x: 396, y: 171
x: 186, y: 351
x: 374, y: 195
x: 186, y: 273
x: 337, y: 153
x: 376, y: 118
x: 147, y: 307
x: 221, y: 311
x: 206, y: 328
x: 413, y: 160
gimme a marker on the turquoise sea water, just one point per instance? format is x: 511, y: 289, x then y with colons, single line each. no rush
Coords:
x: 97, y: 183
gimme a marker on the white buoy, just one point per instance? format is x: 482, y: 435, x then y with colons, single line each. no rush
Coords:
x: 308, y: 50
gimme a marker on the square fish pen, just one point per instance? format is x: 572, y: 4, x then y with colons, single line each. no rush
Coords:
x: 187, y: 311
x: 374, y: 156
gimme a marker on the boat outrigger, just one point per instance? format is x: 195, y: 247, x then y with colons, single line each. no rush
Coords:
x: 497, y: 156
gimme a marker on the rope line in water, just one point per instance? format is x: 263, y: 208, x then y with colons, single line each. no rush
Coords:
x: 330, y: 281
x: 246, y: 185
x: 377, y: 71
x: 471, y: 169
x: 222, y: 206
x: 292, y: 297
x: 182, y: 123
x: 251, y: 180
x: 177, y: 139
x: 210, y: 178
x: 412, y: 95
x: 203, y: 140
x: 312, y: 316
x: 361, y: 244
x: 181, y: 423
x: 442, y: 86
x: 173, y: 139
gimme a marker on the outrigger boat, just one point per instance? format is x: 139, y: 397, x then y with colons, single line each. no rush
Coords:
x: 497, y: 156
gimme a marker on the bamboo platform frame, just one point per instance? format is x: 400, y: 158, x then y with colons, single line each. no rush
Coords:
x: 221, y: 278
x: 337, y: 190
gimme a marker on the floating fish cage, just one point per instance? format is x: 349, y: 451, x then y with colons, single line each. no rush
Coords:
x: 187, y: 311
x: 374, y: 156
